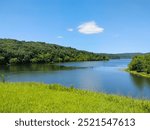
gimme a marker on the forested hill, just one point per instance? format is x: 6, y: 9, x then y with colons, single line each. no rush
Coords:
x: 20, y: 52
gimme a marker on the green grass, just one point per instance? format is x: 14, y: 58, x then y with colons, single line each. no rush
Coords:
x: 38, y: 97
x: 141, y: 74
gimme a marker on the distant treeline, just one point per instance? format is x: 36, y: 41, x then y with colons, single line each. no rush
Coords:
x: 122, y: 55
x: 20, y: 52
x: 140, y: 63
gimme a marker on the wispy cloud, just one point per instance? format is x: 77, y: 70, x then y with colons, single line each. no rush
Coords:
x: 70, y: 29
x: 60, y: 37
x: 90, y: 28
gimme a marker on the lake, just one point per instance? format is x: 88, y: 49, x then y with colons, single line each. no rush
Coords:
x: 101, y: 76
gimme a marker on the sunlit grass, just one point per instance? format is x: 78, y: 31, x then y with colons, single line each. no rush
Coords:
x: 38, y: 97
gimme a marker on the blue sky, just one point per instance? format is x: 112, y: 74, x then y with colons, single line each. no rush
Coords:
x: 105, y: 26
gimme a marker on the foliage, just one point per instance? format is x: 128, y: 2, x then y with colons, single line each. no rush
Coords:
x: 20, y: 52
x: 140, y: 63
x: 2, y: 78
x: 37, y: 97
x: 13, y: 61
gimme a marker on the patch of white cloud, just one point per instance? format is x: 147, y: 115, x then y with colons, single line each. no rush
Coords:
x: 60, y: 37
x: 90, y: 28
x: 70, y: 29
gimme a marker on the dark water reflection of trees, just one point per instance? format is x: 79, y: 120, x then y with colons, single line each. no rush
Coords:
x: 140, y: 82
x: 36, y: 67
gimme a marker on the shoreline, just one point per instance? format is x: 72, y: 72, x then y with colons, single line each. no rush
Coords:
x: 140, y: 74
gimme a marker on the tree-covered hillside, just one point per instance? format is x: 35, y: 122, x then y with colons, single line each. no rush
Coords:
x: 140, y: 63
x: 20, y: 52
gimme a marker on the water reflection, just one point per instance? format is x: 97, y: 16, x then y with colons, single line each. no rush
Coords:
x: 140, y: 82
x: 37, y: 67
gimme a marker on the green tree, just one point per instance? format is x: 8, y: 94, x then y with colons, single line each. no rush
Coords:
x: 2, y: 59
x: 13, y: 61
x: 137, y: 64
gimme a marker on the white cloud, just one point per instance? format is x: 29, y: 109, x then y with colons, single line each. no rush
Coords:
x: 70, y: 29
x: 90, y: 28
x: 60, y: 37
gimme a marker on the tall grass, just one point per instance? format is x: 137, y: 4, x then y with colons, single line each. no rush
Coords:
x: 54, y: 98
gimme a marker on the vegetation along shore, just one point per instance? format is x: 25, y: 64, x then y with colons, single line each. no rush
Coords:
x: 38, y: 97
x: 140, y: 66
x: 27, y: 52
x: 22, y: 52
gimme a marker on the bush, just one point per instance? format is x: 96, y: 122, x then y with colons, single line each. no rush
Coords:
x: 2, y: 59
x: 13, y: 61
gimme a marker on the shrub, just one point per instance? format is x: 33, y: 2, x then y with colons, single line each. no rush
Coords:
x: 13, y: 61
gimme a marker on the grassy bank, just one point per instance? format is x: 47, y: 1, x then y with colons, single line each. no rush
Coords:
x: 142, y: 74
x: 38, y: 97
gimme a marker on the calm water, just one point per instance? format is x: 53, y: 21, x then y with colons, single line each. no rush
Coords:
x: 104, y: 76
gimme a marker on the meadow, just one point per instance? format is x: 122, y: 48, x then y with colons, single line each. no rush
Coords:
x: 54, y: 98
